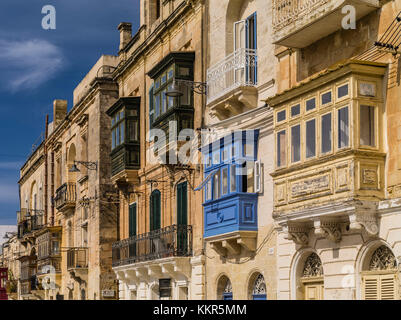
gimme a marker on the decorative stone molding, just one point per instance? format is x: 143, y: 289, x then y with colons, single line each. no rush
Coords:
x: 366, y: 220
x: 331, y: 230
x: 298, y: 234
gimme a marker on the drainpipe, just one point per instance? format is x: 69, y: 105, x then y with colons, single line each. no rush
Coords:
x: 46, y: 168
x: 52, y: 186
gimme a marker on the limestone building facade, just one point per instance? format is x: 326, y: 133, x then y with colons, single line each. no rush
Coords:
x: 239, y: 233
x: 336, y: 172
x: 160, y: 249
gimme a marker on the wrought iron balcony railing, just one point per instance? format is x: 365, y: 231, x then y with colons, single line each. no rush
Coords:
x: 77, y: 258
x: 66, y: 196
x: 238, y: 69
x: 30, y: 220
x: 172, y: 241
x: 287, y: 11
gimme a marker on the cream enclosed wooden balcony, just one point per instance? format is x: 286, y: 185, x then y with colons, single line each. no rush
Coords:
x: 329, y: 152
x: 299, y: 23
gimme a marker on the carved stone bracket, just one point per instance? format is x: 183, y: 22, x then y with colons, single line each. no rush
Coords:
x: 298, y: 234
x: 329, y: 229
x: 364, y: 219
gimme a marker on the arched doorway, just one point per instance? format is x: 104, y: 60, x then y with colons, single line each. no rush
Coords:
x: 224, y: 289
x: 379, y: 275
x: 258, y: 287
x: 312, y: 278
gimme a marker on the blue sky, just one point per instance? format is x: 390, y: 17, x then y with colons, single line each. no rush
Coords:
x: 38, y: 66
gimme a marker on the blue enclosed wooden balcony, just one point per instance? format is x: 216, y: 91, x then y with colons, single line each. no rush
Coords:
x: 236, y: 212
x: 231, y: 186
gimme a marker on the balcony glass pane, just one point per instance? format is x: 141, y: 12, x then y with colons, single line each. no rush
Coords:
x: 295, y: 110
x: 233, y: 177
x: 367, y: 126
x: 311, y: 138
x: 310, y: 104
x: 326, y: 98
x: 343, y: 128
x: 342, y: 91
x: 281, y: 149
x: 296, y: 143
x: 281, y: 116
x: 224, y: 172
x: 326, y: 133
x: 216, y: 186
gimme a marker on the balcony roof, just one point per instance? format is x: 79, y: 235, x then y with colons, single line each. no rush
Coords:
x: 336, y: 71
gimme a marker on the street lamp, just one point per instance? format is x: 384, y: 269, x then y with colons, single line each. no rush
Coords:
x: 197, y: 87
x: 87, y: 164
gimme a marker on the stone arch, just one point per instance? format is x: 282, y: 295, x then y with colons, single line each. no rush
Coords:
x: 368, y: 252
x: 297, y: 272
x: 154, y: 291
x: 256, y: 287
x: 71, y: 157
x: 34, y: 196
x: 223, y: 287
x: 236, y: 10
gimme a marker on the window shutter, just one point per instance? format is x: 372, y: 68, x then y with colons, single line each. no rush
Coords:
x: 387, y: 287
x: 379, y: 287
x: 258, y: 177
x: 239, y: 34
x: 371, y: 287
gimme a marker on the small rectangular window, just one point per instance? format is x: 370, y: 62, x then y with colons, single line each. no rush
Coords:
x: 296, y: 143
x: 367, y: 126
x: 281, y: 116
x: 281, y: 149
x: 343, y: 128
x: 216, y: 186
x: 326, y: 98
x: 295, y: 110
x: 224, y: 174
x: 342, y: 91
x: 310, y: 104
x: 233, y: 178
x: 326, y: 133
x: 310, y: 138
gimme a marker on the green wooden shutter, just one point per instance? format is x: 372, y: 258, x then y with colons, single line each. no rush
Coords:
x: 155, y: 210
x: 182, y: 204
x: 132, y: 220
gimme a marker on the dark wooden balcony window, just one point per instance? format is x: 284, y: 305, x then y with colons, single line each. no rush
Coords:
x: 125, y: 134
x: 162, y: 109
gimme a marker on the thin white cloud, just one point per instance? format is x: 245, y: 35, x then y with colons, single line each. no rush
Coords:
x: 9, y: 193
x: 28, y: 64
x: 10, y: 165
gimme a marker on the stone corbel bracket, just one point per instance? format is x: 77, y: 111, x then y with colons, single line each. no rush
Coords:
x: 331, y: 230
x: 367, y: 220
x: 298, y: 234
